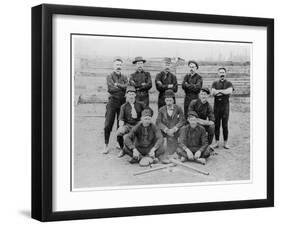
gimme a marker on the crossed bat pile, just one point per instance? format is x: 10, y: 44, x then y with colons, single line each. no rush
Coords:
x: 173, y: 162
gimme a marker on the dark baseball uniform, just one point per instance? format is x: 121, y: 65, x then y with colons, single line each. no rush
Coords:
x: 115, y: 100
x: 141, y: 80
x: 166, y: 78
x: 144, y: 139
x: 204, y: 111
x: 191, y: 85
x: 221, y: 109
x: 194, y: 139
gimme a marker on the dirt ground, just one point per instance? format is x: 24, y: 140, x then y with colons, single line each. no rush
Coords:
x: 93, y: 169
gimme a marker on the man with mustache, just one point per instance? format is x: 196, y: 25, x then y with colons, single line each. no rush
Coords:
x: 116, y: 87
x: 141, y: 80
x: 221, y: 90
x: 192, y: 84
x: 165, y: 80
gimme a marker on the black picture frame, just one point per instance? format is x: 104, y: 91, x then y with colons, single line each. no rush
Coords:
x: 42, y: 107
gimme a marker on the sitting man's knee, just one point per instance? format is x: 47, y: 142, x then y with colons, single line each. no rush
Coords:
x: 121, y: 131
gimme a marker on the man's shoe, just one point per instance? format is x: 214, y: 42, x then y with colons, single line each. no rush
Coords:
x: 155, y: 160
x: 226, y: 145
x: 201, y: 160
x: 216, y: 145
x: 183, y: 159
x: 117, y: 146
x: 165, y: 161
x: 133, y: 161
x: 105, y: 149
x: 121, y: 154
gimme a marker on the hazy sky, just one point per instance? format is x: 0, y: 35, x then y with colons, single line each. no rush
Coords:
x: 92, y: 46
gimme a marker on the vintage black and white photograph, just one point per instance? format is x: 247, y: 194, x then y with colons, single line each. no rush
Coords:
x: 159, y: 111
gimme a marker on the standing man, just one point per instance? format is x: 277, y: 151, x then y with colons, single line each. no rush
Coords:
x: 145, y: 139
x: 221, y: 90
x: 192, y: 84
x: 141, y: 80
x: 165, y: 80
x: 116, y: 87
x: 193, y: 144
x: 205, y: 113
x: 130, y: 115
x: 170, y: 119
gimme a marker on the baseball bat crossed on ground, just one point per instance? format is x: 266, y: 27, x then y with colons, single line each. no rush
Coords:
x: 173, y: 162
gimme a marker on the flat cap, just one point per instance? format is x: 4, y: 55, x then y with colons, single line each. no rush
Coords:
x: 193, y: 62
x: 147, y: 112
x: 169, y: 93
x: 139, y: 58
x: 130, y: 89
x: 205, y: 89
x: 192, y: 113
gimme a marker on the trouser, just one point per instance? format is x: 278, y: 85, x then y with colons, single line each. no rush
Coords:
x: 204, y: 154
x: 143, y: 99
x: 112, y: 112
x: 123, y: 130
x: 170, y: 143
x: 221, y: 112
x: 188, y: 98
x: 161, y: 100
x: 144, y: 151
x: 211, y: 132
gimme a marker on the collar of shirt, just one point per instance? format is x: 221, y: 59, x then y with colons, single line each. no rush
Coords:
x: 117, y: 74
x: 171, y: 108
x: 200, y: 101
x: 137, y: 71
x: 131, y: 103
x: 193, y: 129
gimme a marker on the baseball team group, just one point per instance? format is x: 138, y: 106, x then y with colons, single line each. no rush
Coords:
x: 186, y: 134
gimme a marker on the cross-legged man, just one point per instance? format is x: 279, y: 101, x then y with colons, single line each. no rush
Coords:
x: 141, y: 80
x: 165, y: 80
x: 144, y: 139
x: 170, y: 119
x: 130, y: 115
x: 193, y: 143
x: 205, y: 113
x: 116, y: 87
x: 221, y: 90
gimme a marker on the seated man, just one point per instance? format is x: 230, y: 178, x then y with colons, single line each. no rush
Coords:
x: 193, y: 144
x: 130, y: 114
x: 170, y: 119
x: 205, y: 113
x: 145, y: 139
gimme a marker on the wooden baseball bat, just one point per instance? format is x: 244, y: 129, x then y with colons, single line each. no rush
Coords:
x: 189, y: 167
x: 154, y: 169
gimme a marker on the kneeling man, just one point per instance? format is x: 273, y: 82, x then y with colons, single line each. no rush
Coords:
x: 130, y: 114
x: 205, y: 113
x: 170, y: 119
x: 193, y: 143
x: 145, y: 139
